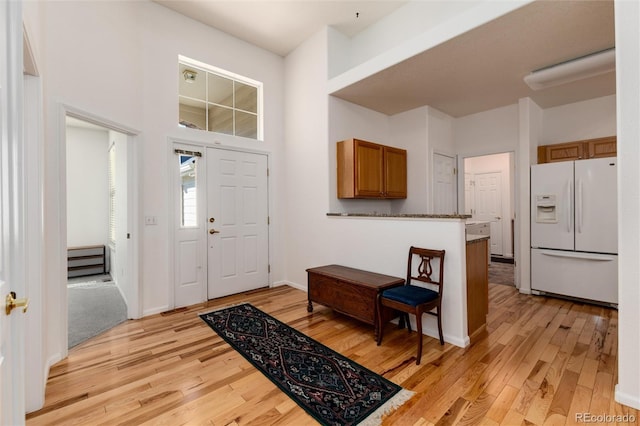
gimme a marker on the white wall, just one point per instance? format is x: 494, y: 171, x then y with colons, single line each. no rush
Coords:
x: 440, y: 127
x: 594, y: 118
x: 307, y: 159
x: 408, y: 130
x: 627, y: 16
x: 487, y: 132
x: 440, y: 139
x: 348, y: 120
x: 87, y: 187
x: 530, y: 125
x: 391, y: 238
x: 126, y: 73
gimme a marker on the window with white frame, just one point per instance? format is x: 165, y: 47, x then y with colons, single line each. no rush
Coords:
x: 219, y: 101
x: 188, y: 190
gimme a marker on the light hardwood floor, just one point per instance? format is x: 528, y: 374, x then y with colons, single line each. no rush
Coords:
x: 541, y: 361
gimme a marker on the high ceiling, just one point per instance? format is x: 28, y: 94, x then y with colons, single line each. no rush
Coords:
x: 476, y: 71
x: 281, y: 25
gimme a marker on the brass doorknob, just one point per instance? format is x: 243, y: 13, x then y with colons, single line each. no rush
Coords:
x: 213, y: 231
x: 12, y: 302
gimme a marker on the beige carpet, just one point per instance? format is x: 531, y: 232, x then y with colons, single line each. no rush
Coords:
x: 94, y: 307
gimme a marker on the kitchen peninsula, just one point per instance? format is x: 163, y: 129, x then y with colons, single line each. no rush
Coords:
x: 379, y: 242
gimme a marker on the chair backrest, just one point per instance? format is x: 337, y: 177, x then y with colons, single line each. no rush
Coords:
x: 425, y: 269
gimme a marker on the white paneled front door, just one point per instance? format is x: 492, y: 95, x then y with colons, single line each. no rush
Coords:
x: 237, y: 222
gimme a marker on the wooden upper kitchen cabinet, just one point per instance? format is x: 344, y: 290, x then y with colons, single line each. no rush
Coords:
x: 602, y: 147
x: 578, y: 150
x: 371, y: 170
x: 561, y: 152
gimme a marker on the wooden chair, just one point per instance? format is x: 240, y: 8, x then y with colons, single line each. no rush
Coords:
x: 413, y: 299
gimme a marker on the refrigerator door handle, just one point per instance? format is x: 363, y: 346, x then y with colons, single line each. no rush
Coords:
x: 579, y: 206
x: 569, y: 206
x: 578, y: 255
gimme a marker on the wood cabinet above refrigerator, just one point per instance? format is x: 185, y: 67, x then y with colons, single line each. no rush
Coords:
x: 578, y: 150
x: 371, y: 170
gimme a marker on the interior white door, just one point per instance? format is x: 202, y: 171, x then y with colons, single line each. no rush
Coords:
x: 12, y: 226
x: 469, y: 194
x: 238, y: 233
x: 444, y: 190
x: 190, y: 249
x: 488, y: 202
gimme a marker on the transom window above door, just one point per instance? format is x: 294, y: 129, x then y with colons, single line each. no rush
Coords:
x: 218, y: 101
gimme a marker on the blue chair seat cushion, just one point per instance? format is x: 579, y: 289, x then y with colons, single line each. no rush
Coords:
x: 410, y: 294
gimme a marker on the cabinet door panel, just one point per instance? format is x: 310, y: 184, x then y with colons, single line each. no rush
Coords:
x: 564, y: 152
x: 603, y: 147
x: 368, y: 159
x: 395, y: 171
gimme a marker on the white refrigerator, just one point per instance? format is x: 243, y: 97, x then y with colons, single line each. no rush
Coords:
x: 574, y: 229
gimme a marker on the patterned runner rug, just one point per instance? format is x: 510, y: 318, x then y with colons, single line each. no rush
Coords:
x: 330, y: 387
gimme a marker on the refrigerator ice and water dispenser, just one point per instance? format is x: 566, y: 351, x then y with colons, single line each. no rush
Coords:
x: 546, y: 209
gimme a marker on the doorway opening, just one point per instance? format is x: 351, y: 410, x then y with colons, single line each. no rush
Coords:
x: 99, y: 276
x: 489, y: 197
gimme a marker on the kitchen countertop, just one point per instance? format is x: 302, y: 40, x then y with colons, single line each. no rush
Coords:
x: 472, y: 238
x: 407, y: 215
x: 475, y: 222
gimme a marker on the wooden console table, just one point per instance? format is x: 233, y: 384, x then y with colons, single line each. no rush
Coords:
x: 350, y: 291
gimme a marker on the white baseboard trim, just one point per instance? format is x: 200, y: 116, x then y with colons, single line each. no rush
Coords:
x: 57, y: 357
x: 632, y: 401
x: 153, y: 311
x: 47, y: 368
x: 290, y: 284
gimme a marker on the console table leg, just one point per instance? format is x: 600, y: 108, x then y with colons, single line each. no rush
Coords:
x: 310, y: 307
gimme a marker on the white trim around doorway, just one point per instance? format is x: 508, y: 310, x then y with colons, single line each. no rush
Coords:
x: 134, y: 171
x: 201, y: 145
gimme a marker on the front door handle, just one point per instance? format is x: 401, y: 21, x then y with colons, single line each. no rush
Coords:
x: 213, y: 231
x: 12, y: 302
